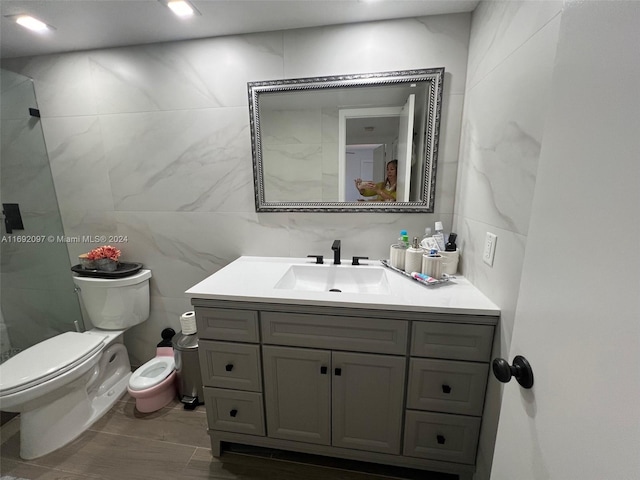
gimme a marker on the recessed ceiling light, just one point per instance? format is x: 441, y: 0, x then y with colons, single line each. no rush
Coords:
x: 33, y: 24
x: 182, y: 8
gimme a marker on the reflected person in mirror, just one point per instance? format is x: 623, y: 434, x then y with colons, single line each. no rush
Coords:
x: 383, y: 191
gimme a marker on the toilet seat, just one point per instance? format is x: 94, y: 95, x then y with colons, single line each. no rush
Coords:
x: 48, y: 359
x: 152, y: 373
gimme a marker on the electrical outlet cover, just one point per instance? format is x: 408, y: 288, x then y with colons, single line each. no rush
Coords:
x: 489, y: 248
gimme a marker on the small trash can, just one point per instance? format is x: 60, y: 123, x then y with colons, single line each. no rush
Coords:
x: 189, y: 380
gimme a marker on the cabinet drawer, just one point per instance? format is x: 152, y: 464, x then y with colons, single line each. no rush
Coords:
x: 230, y: 365
x: 439, y: 436
x: 334, y: 332
x: 227, y: 324
x: 447, y: 386
x: 452, y: 341
x: 234, y: 411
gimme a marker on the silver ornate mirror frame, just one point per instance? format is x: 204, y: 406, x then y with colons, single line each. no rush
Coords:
x: 433, y: 78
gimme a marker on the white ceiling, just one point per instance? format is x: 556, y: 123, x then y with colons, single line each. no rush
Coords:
x: 90, y: 24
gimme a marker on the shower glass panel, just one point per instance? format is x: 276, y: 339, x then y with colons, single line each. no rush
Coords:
x: 37, y: 298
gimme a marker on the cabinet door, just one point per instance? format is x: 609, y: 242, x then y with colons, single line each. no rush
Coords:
x: 368, y: 392
x: 297, y: 391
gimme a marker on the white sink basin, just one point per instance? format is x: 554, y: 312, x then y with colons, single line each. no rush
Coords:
x: 335, y: 278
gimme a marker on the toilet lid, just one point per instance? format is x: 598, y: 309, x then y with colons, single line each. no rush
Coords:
x: 46, y: 360
x: 152, y: 373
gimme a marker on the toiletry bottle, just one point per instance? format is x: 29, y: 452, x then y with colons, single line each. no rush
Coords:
x: 439, y: 236
x: 404, y: 238
x: 426, y: 238
x: 413, y: 257
x: 451, y: 243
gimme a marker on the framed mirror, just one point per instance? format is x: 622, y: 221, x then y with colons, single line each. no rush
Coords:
x: 348, y: 143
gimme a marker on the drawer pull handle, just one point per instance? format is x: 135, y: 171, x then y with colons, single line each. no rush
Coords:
x: 233, y: 412
x: 228, y: 367
x: 441, y: 440
x: 446, y: 389
x: 323, y: 370
x: 338, y: 371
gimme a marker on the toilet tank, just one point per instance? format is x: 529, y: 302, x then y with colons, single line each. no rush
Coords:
x: 115, y: 303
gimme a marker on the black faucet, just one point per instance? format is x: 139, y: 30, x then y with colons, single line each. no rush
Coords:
x: 336, y: 252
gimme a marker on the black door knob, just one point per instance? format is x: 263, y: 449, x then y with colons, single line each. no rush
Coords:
x: 520, y: 369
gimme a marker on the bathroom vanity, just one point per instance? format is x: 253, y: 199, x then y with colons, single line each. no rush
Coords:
x: 386, y: 370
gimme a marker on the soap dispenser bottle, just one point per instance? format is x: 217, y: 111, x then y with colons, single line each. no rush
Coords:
x: 413, y: 257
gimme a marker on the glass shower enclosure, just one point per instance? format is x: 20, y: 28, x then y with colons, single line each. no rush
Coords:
x: 37, y: 297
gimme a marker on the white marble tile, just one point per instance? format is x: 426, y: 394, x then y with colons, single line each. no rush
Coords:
x: 184, y: 75
x: 183, y: 248
x: 285, y: 127
x: 292, y: 172
x: 501, y: 28
x: 63, y: 83
x: 78, y: 164
x: 83, y: 223
x: 180, y: 160
x: 425, y: 42
x: 502, y: 135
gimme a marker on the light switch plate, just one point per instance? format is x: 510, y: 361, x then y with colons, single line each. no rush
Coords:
x: 489, y: 248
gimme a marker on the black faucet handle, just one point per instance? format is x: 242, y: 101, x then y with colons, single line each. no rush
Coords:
x: 336, y: 251
x: 356, y: 260
x: 319, y: 258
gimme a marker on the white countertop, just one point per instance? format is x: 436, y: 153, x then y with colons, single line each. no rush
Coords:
x: 253, y: 279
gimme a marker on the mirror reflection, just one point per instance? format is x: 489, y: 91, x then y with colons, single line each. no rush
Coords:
x: 363, y: 142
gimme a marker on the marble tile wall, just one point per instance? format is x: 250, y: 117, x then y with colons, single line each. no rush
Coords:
x: 511, y: 59
x: 152, y: 143
x: 292, y: 155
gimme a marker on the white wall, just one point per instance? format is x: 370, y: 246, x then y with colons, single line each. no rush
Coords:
x: 511, y: 54
x: 153, y: 142
x: 577, y: 318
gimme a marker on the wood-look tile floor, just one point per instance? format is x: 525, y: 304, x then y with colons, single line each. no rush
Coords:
x: 173, y: 443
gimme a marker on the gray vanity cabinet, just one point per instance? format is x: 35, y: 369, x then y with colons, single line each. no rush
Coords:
x: 350, y: 400
x: 395, y: 387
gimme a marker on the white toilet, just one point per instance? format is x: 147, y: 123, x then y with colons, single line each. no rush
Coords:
x: 62, y: 385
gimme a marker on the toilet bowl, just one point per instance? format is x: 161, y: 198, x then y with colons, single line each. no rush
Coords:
x: 62, y: 385
x: 153, y: 385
